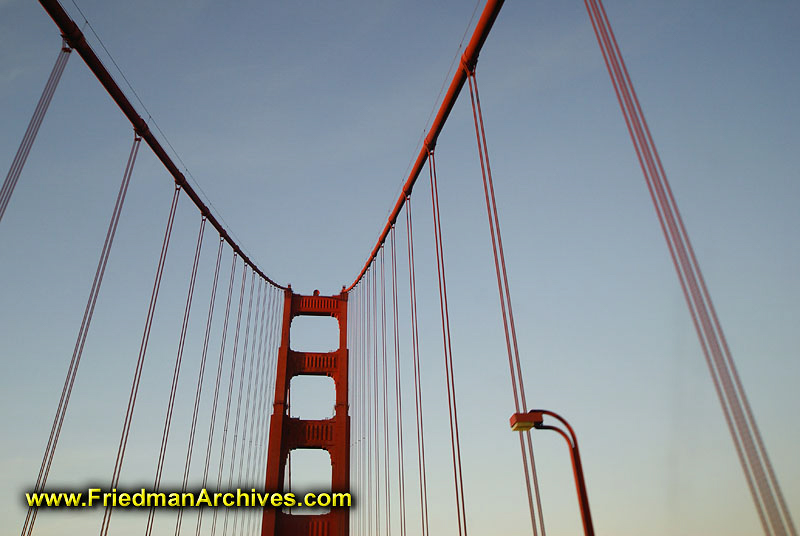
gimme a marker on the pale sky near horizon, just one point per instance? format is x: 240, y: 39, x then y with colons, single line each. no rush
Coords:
x: 299, y: 120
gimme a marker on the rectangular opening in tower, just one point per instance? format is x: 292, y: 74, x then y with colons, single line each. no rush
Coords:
x: 308, y: 471
x: 314, y: 334
x: 312, y: 397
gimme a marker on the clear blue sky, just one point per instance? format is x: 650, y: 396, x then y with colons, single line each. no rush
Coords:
x: 298, y: 121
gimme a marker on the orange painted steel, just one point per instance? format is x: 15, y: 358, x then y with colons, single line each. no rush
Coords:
x: 287, y: 433
x: 468, y: 61
x: 77, y: 40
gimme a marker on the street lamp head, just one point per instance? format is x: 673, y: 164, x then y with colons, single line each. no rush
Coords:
x: 521, y: 422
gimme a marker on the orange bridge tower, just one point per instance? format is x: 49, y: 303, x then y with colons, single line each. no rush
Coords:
x: 287, y: 433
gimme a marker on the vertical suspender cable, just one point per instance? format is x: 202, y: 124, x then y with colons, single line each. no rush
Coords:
x: 512, y: 348
x: 350, y: 354
x: 248, y: 397
x: 258, y: 406
x: 647, y: 165
x: 398, y: 397
x: 140, y: 361
x: 364, y: 526
x: 360, y: 411
x: 385, y: 396
x: 33, y: 128
x: 272, y: 366
x: 374, y: 404
x: 362, y: 436
x: 354, y: 389
x: 217, y: 382
x: 220, y: 470
x: 354, y: 320
x: 77, y: 352
x: 199, y: 388
x: 368, y: 400
x: 239, y: 397
x: 175, y: 377
x: 455, y: 444
x: 350, y: 346
x: 412, y: 281
x: 759, y: 474
x: 266, y: 374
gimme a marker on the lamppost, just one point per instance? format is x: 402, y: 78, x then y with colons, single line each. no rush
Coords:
x: 521, y: 422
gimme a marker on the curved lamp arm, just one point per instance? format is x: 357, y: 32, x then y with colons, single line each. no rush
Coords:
x: 521, y: 422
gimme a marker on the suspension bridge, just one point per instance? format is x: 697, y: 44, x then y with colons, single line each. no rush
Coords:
x: 199, y: 359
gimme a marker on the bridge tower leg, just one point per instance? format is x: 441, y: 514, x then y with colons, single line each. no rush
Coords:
x: 287, y: 433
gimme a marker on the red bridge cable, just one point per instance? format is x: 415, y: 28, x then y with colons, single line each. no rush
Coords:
x: 218, y: 379
x: 33, y: 129
x: 367, y: 416
x: 272, y: 371
x: 263, y: 425
x: 767, y: 496
x: 359, y: 386
x: 260, y: 384
x: 665, y: 222
x: 354, y: 303
x: 258, y: 406
x: 260, y: 446
x: 515, y: 368
x: 369, y: 403
x: 199, y: 387
x: 365, y: 474
x: 398, y: 391
x: 77, y: 353
x: 140, y: 360
x: 423, y: 480
x: 77, y: 40
x: 362, y: 410
x: 237, y: 330
x: 239, y: 396
x: 374, y: 405
x: 470, y: 57
x: 455, y: 444
x: 249, y: 397
x: 385, y: 396
x: 351, y: 320
x: 276, y: 332
x: 350, y: 355
x: 175, y: 377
